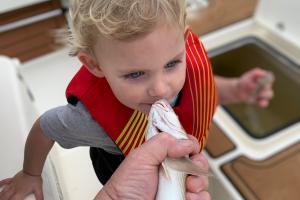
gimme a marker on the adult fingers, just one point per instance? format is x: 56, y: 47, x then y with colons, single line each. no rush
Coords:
x: 195, y: 140
x: 183, y: 147
x: 195, y: 184
x: 264, y: 97
x: 258, y: 72
x: 266, y: 93
x: 200, y: 160
x: 163, y: 144
x: 203, y: 195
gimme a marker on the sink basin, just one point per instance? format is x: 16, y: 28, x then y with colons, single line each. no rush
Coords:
x: 235, y: 58
x: 250, y: 149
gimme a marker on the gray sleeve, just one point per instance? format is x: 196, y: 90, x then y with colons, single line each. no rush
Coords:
x: 71, y: 126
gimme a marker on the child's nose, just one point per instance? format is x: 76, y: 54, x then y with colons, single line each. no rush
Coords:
x: 159, y: 89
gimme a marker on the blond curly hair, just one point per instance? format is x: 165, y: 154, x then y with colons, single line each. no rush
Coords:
x: 119, y: 19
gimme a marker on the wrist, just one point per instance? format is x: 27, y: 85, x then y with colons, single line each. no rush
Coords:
x: 228, y: 89
x: 31, y: 174
x: 236, y: 88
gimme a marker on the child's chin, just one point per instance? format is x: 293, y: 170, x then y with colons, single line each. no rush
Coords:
x: 145, y: 108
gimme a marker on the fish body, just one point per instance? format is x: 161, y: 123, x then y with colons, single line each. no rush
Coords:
x: 172, y: 172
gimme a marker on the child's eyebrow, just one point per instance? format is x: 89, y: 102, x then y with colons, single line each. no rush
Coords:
x: 139, y: 69
x: 178, y: 55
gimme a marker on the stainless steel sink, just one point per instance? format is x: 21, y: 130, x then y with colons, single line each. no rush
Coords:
x: 235, y: 58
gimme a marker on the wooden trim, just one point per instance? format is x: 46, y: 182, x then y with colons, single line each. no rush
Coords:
x: 32, y: 40
x: 218, y: 143
x: 56, y: 3
x: 28, y: 11
x: 220, y: 13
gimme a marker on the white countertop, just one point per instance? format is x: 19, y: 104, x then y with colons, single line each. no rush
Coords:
x: 47, y: 78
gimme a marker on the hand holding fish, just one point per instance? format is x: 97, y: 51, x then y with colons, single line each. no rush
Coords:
x: 255, y: 87
x: 172, y: 172
x: 137, y: 176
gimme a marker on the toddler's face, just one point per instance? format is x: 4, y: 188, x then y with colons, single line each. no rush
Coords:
x: 146, y: 69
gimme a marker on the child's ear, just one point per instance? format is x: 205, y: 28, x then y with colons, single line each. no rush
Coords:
x: 90, y: 63
x: 186, y: 32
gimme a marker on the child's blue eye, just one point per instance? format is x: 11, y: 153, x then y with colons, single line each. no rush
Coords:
x: 172, y: 64
x: 134, y: 75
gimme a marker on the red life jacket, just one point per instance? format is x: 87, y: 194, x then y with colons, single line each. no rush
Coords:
x: 127, y: 127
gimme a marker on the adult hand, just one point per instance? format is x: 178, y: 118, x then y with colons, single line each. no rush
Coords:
x: 251, y: 89
x: 137, y: 176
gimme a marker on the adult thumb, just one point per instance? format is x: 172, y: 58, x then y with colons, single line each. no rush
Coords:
x: 163, y: 144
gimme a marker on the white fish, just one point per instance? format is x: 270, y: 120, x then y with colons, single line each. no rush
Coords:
x: 172, y: 172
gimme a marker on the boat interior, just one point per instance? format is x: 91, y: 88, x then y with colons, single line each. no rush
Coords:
x: 254, y: 153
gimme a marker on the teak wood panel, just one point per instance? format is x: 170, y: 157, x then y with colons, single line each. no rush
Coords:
x: 220, y: 13
x: 33, y: 40
x: 28, y: 11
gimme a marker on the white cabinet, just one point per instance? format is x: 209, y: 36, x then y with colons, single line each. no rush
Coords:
x: 8, y: 5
